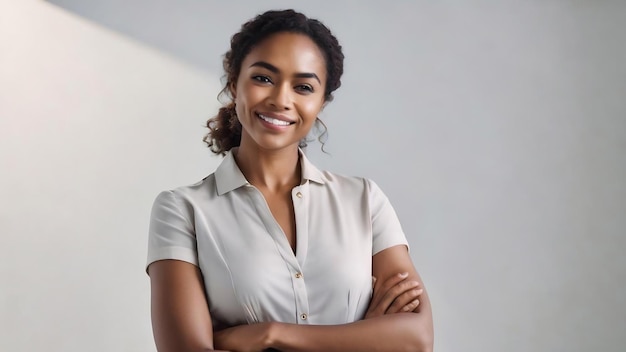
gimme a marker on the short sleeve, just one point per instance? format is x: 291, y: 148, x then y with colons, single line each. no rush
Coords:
x: 386, y: 229
x: 171, y: 233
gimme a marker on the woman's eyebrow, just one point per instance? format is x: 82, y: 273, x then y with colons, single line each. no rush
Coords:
x: 275, y: 69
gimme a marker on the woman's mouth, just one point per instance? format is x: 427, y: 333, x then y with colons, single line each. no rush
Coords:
x: 274, y: 121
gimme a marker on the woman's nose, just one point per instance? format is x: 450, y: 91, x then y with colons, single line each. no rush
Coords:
x: 281, y: 97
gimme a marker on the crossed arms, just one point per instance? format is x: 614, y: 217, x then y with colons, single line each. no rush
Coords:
x: 181, y: 320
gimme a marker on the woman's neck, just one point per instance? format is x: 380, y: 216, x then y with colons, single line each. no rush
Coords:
x: 271, y: 170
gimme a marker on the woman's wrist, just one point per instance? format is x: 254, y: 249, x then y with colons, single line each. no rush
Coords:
x: 272, y: 334
x: 275, y: 334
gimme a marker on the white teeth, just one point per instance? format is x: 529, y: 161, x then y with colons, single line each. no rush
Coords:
x: 274, y: 121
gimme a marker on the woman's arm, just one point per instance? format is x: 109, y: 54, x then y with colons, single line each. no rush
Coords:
x: 180, y: 315
x: 391, y: 332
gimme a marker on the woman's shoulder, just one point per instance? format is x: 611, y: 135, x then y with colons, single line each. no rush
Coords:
x: 350, y: 183
x: 190, y: 193
x: 340, y: 178
x: 336, y: 181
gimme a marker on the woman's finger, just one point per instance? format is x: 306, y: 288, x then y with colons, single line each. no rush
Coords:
x: 408, y: 298
x: 399, y: 295
x: 392, y: 292
x: 381, y: 288
x: 411, y: 306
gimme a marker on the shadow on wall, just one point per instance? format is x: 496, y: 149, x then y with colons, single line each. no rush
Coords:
x: 171, y: 27
x: 193, y: 31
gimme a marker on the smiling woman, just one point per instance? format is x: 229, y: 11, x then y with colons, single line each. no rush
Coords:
x: 269, y: 251
x: 279, y: 92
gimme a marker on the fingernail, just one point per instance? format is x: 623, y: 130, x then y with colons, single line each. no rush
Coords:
x: 404, y: 274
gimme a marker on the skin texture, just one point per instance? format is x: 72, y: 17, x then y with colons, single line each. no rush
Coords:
x: 284, y: 77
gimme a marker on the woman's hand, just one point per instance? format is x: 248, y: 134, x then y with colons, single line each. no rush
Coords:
x: 245, y: 338
x: 395, y: 295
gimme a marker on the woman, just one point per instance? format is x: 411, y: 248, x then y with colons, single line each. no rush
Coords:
x: 269, y: 252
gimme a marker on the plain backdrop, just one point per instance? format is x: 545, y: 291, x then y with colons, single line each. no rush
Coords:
x: 496, y: 128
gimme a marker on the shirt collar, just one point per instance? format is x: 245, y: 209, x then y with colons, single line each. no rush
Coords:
x: 228, y: 176
x: 309, y: 171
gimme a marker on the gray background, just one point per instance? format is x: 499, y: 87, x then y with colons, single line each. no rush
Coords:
x: 497, y: 129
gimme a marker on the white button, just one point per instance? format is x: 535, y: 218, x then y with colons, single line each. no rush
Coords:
x: 298, y: 275
x: 299, y: 195
x: 303, y: 316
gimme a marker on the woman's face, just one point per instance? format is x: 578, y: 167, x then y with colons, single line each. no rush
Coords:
x: 280, y: 91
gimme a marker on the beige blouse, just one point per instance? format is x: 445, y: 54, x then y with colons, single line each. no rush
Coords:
x: 223, y: 225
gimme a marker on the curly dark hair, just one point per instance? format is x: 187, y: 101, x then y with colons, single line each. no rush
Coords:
x: 225, y: 129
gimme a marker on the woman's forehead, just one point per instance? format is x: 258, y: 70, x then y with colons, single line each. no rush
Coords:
x: 288, y: 52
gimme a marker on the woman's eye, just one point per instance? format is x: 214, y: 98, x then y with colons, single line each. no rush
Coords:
x: 305, y: 88
x: 263, y: 79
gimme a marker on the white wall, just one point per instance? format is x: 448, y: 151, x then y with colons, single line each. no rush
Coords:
x: 93, y: 126
x: 498, y: 130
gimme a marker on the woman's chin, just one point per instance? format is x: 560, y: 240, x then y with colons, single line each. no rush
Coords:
x: 272, y: 143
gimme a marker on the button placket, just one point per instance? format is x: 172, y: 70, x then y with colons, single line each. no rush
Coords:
x: 302, y: 301
x: 299, y: 199
x: 299, y: 196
